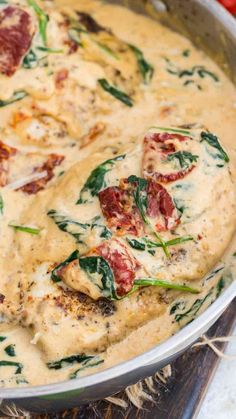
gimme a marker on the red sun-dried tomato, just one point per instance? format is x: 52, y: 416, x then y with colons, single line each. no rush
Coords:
x: 122, y: 264
x: 119, y: 209
x: 157, y: 147
x: 161, y: 207
x: 37, y: 185
x: 16, y: 33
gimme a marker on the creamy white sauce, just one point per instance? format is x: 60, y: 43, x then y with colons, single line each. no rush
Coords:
x: 56, y: 118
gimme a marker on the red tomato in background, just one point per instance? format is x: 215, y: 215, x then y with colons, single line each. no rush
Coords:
x: 229, y: 4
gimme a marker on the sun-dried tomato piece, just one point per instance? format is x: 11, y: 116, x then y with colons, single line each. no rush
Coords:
x: 123, y: 215
x: 161, y: 207
x: 37, y: 185
x: 6, y: 152
x: 16, y: 32
x: 118, y: 207
x: 122, y: 264
x: 157, y: 147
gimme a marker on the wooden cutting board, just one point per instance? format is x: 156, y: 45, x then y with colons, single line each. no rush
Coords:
x: 181, y: 397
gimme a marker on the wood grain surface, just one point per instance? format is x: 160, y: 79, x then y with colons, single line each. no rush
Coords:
x: 181, y: 397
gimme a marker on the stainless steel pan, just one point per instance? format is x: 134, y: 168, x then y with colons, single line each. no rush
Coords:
x: 213, y: 29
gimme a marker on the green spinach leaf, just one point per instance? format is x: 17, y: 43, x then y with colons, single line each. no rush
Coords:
x: 146, y: 282
x: 194, y: 309
x: 54, y: 273
x: 89, y: 364
x: 10, y: 350
x: 179, y: 305
x: 136, y: 244
x: 145, y: 68
x: 18, y: 365
x: 174, y: 130
x: 184, y: 158
x: 96, y: 265
x: 18, y: 95
x: 68, y: 361
x: 220, y: 286
x: 186, y: 53
x: 43, y: 20
x: 146, y: 244
x: 116, y: 93
x: 1, y: 204
x: 30, y: 60
x: 77, y: 229
x: 50, y: 50
x: 96, y: 181
x: 26, y: 229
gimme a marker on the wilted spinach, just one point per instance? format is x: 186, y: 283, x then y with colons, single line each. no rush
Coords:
x: 116, y: 93
x: 194, y: 309
x: 18, y: 95
x: 213, y: 141
x: 96, y: 265
x: 10, y: 350
x: 77, y: 229
x: 96, y: 181
x: 68, y: 361
x: 146, y: 244
x: 146, y: 282
x: 87, y: 364
x: 220, y: 286
x: 30, y: 60
x: 43, y: 20
x: 18, y: 365
x: 54, y: 273
x: 145, y: 68
x: 184, y: 158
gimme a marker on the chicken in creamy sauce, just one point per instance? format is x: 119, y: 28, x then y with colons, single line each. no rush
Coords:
x: 117, y: 187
